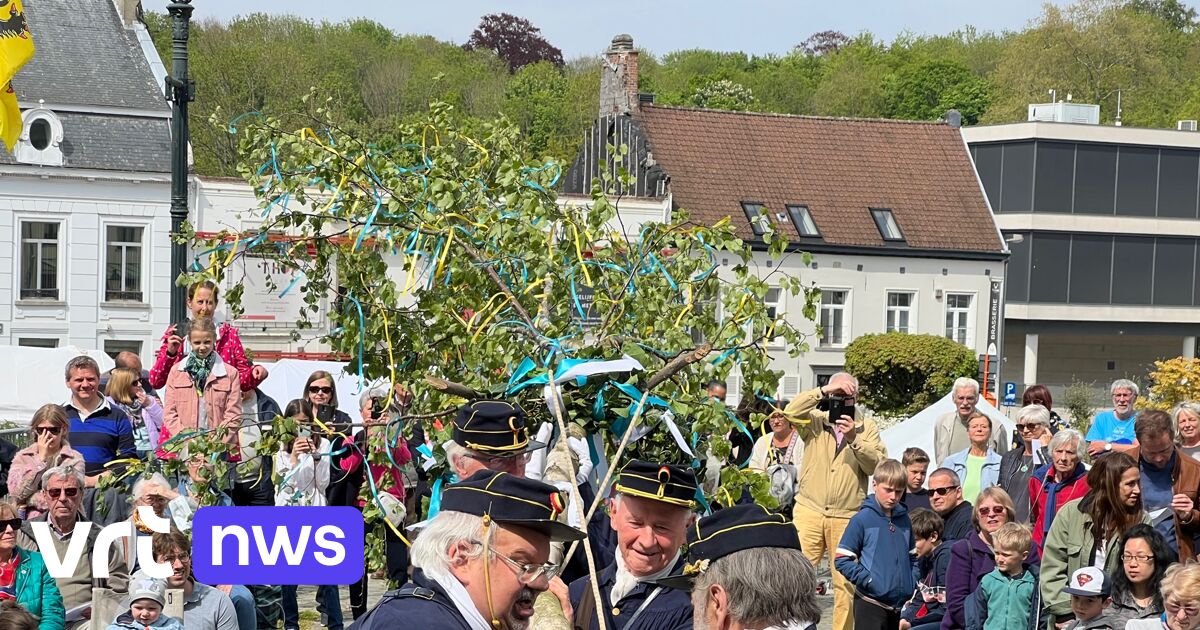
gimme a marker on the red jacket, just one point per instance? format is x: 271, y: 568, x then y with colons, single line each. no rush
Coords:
x: 1037, y: 498
x: 229, y: 348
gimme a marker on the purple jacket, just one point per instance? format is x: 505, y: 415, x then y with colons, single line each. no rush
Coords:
x: 970, y: 560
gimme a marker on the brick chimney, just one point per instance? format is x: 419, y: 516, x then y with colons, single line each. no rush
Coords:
x: 619, y: 77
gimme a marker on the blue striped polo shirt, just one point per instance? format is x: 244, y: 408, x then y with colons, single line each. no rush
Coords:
x: 101, y: 436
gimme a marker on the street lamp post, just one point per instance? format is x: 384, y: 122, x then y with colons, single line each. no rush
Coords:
x: 180, y: 91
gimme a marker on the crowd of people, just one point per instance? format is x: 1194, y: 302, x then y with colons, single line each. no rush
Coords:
x: 1047, y: 527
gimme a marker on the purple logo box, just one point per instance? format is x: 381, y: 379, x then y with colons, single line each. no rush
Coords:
x: 277, y: 545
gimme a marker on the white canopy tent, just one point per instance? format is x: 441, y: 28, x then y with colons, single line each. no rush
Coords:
x: 918, y: 430
x: 33, y: 377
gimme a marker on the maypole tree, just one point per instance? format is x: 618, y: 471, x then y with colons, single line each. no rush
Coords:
x: 449, y: 266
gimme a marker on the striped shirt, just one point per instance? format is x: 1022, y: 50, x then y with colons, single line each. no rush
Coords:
x: 101, y: 436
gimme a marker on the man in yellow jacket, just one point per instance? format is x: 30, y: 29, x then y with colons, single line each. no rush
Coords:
x: 840, y: 454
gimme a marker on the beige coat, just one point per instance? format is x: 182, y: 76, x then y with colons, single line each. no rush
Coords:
x: 833, y: 481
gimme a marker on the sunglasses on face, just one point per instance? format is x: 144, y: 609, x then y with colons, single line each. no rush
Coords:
x: 941, y: 492
x: 9, y: 523
x: 994, y: 510
x: 57, y: 492
x: 316, y: 389
x: 50, y: 430
x: 1032, y: 426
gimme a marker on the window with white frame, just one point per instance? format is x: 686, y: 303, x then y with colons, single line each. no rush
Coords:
x: 39, y: 260
x: 900, y: 311
x: 773, y: 301
x: 123, y: 266
x: 958, y: 317
x: 833, y: 317
x: 37, y: 342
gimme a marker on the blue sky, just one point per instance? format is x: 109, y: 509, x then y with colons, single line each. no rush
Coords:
x: 585, y: 28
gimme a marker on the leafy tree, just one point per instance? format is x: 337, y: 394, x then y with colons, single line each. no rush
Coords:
x: 1178, y: 15
x: 513, y: 39
x: 854, y: 82
x: 822, y: 43
x: 723, y: 94
x: 1173, y: 381
x: 900, y: 374
x: 927, y: 91
x: 494, y: 270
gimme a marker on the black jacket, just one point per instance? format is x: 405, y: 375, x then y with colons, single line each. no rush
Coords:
x: 421, y: 602
x: 958, y: 523
x: 1014, y: 478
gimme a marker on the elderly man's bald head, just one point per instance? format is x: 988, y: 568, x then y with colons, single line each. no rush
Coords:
x: 127, y: 359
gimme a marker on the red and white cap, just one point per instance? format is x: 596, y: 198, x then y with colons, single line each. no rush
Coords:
x: 1088, y: 582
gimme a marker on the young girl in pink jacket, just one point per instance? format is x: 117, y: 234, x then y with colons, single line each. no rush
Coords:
x: 202, y: 302
x: 202, y: 392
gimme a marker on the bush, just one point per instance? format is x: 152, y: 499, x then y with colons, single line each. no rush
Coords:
x: 1079, y: 400
x: 1173, y: 381
x: 900, y: 374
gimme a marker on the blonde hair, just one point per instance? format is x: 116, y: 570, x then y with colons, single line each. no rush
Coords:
x: 1182, y: 583
x: 8, y: 507
x: 120, y: 385
x: 892, y: 473
x: 54, y: 414
x: 1012, y: 537
x: 997, y: 494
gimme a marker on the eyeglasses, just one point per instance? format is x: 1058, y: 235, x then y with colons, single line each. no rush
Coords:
x: 1137, y: 559
x: 182, y: 558
x: 1032, y: 426
x: 1174, y: 608
x: 529, y: 573
x: 56, y: 492
x: 941, y: 492
x: 10, y: 523
x: 495, y: 462
x: 994, y: 510
x: 316, y: 389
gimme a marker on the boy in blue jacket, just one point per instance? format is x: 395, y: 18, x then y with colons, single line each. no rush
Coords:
x: 877, y: 553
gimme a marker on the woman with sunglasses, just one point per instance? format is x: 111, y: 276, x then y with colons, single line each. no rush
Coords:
x: 1181, y: 601
x: 49, y: 449
x: 1057, y: 483
x: 972, y: 557
x: 1017, y: 465
x: 1088, y: 531
x: 124, y: 391
x: 1145, y: 558
x: 23, y: 574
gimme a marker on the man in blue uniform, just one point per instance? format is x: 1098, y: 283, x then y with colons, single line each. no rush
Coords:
x: 732, y: 554
x: 491, y: 434
x: 651, y: 510
x: 480, y: 563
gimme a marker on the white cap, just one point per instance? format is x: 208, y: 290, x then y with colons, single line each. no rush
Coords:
x: 1088, y: 582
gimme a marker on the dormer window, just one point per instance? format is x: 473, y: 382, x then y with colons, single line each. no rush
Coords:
x: 41, y: 138
x: 886, y: 222
x: 758, y: 219
x: 803, y: 221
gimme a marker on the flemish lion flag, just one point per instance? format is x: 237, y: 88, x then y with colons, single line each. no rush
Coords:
x: 16, y: 48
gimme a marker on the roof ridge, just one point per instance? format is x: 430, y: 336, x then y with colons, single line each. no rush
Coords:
x: 794, y: 116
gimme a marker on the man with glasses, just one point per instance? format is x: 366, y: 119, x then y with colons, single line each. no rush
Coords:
x: 490, y: 435
x: 651, y: 509
x: 63, y: 487
x: 204, y: 607
x: 482, y: 561
x: 1170, y: 482
x: 950, y: 431
x: 1114, y: 430
x: 946, y: 498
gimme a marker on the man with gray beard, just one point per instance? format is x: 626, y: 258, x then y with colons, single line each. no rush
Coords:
x: 482, y: 561
x: 745, y: 570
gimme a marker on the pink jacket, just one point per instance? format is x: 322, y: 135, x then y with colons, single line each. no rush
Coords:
x: 400, y: 455
x: 25, y: 476
x: 222, y: 401
x: 229, y: 348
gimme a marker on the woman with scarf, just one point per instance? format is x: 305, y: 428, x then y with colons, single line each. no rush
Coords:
x: 1055, y: 484
x: 125, y: 391
x: 202, y: 393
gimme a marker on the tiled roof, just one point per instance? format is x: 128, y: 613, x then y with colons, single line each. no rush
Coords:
x: 837, y: 167
x: 112, y: 143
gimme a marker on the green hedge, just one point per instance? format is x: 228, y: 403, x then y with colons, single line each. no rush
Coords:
x: 901, y: 374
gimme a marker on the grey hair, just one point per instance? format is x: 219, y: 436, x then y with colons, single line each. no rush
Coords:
x: 1123, y: 383
x: 454, y: 452
x: 966, y: 382
x: 1036, y: 413
x: 371, y: 394
x: 946, y: 472
x: 431, y: 550
x: 81, y: 362
x: 767, y: 586
x: 1066, y: 437
x: 1190, y: 407
x: 844, y: 376
x: 64, y: 471
x: 138, y: 486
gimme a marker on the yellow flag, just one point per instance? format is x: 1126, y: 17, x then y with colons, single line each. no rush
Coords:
x: 16, y: 48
